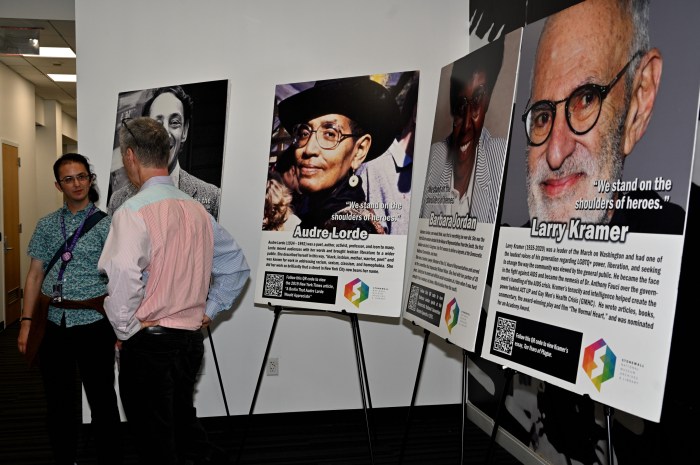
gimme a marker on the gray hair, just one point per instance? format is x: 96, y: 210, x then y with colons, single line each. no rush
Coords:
x: 638, y: 13
x: 148, y: 139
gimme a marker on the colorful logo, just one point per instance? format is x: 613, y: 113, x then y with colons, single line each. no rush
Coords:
x: 592, y: 368
x: 452, y: 314
x: 356, y: 292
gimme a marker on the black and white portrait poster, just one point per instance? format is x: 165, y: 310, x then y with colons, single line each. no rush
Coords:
x: 336, y: 209
x: 195, y: 117
x: 462, y: 190
x: 588, y: 259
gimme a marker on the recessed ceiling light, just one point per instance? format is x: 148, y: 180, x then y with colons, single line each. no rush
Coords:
x: 54, y: 52
x: 63, y: 77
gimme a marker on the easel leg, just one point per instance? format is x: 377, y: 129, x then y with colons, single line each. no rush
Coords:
x: 608, y: 420
x: 277, y: 311
x: 362, y: 374
x: 218, y: 371
x: 362, y: 356
x: 464, y: 404
x: 426, y: 335
x: 506, y: 388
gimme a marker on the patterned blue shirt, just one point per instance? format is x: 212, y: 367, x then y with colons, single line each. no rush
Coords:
x: 81, y: 280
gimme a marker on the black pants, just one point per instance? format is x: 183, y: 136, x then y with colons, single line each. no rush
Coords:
x: 90, y: 349
x: 156, y: 382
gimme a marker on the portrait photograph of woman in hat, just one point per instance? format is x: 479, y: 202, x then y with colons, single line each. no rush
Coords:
x: 332, y: 127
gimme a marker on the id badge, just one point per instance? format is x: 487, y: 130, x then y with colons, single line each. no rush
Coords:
x: 57, y: 294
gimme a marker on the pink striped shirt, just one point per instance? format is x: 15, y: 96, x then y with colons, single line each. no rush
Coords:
x: 158, y: 257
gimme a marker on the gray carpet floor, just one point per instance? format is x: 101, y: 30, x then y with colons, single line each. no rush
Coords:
x: 309, y: 438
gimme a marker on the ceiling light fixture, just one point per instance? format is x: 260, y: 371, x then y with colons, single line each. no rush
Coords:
x: 63, y: 77
x: 56, y: 52
x: 53, y: 52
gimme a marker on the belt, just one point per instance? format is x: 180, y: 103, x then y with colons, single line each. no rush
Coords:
x: 96, y: 303
x: 158, y: 330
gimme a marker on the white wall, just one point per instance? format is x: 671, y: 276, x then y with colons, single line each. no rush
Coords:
x: 17, y: 128
x: 39, y: 145
x: 257, y: 44
x: 49, y: 145
x: 21, y: 115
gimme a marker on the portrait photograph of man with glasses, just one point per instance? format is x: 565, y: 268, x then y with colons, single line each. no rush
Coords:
x: 604, y: 130
x: 599, y: 118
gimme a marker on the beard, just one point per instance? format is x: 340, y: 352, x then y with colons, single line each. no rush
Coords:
x: 606, y: 165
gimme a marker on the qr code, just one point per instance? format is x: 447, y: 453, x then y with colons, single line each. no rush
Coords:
x: 505, y: 334
x: 413, y: 298
x: 273, y: 285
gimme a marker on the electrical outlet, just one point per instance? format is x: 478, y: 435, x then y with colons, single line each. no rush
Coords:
x: 273, y: 366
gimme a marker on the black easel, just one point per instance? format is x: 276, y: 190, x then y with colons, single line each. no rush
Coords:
x: 277, y: 310
x: 465, y: 358
x: 465, y: 361
x: 608, y: 423
x: 361, y: 369
x: 364, y: 380
x: 426, y: 335
x: 509, y: 373
x: 359, y: 353
x: 218, y: 371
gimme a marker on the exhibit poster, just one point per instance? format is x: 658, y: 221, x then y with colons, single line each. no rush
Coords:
x: 588, y: 259
x: 337, y: 199
x: 462, y: 190
x: 195, y: 117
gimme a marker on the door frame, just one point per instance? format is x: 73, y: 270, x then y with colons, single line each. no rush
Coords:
x: 3, y: 319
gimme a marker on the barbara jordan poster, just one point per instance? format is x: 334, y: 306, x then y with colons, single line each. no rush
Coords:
x: 588, y: 259
x: 462, y: 190
x: 337, y: 198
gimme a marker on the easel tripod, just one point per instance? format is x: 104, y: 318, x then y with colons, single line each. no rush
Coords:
x: 361, y: 373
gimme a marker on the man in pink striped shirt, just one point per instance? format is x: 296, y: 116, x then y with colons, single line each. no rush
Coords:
x: 171, y: 270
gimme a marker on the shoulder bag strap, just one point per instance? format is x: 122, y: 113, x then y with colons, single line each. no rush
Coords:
x: 89, y: 223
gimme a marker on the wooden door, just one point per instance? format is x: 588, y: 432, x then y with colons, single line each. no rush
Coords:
x: 11, y: 228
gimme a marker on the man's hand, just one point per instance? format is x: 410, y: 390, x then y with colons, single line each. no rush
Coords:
x: 205, y: 322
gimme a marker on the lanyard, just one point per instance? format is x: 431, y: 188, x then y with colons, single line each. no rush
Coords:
x: 67, y: 254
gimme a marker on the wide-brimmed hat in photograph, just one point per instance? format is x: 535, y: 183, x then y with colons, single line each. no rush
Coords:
x: 364, y: 101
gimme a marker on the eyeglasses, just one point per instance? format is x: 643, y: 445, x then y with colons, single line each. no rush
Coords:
x: 328, y: 135
x: 124, y: 121
x: 476, y: 104
x: 81, y: 178
x: 582, y: 110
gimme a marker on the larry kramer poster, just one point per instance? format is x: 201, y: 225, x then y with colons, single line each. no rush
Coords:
x: 588, y: 258
x: 336, y: 207
x: 195, y: 117
x: 462, y: 189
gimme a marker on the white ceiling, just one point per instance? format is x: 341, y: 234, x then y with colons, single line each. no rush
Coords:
x: 53, y: 33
